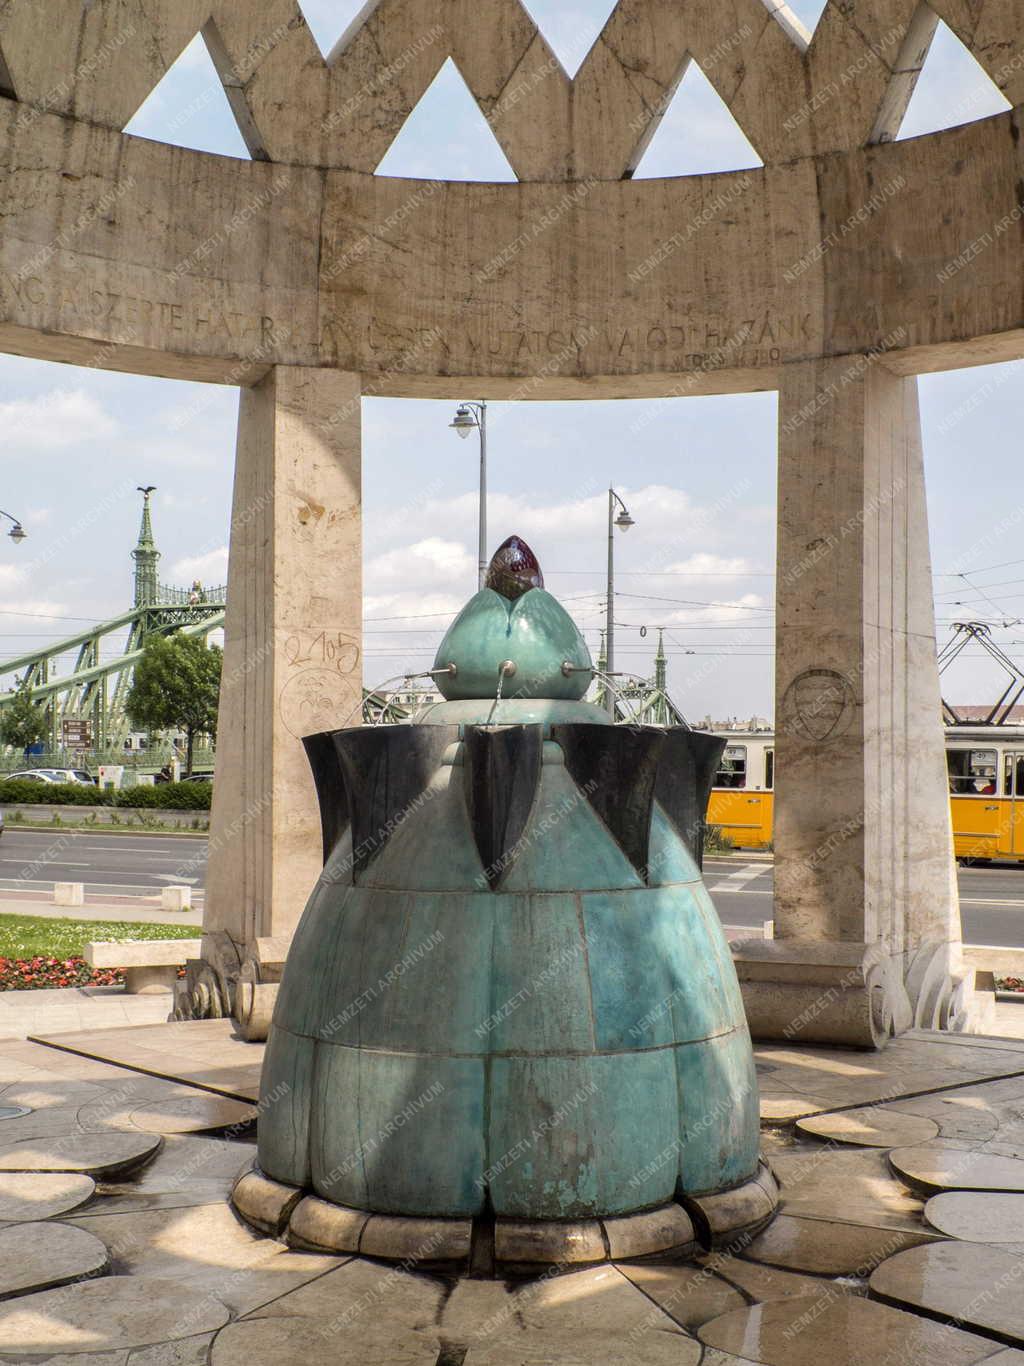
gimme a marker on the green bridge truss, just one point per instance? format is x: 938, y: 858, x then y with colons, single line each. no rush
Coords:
x: 95, y: 692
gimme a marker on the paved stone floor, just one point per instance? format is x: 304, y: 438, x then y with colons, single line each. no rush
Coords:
x: 900, y: 1238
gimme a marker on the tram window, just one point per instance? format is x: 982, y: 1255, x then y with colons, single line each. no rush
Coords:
x: 732, y: 771
x: 769, y: 769
x: 1014, y: 775
x: 972, y: 772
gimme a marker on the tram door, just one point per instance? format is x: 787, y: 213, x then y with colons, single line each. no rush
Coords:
x: 1012, y: 837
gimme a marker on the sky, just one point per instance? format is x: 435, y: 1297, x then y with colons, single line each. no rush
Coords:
x: 698, y: 474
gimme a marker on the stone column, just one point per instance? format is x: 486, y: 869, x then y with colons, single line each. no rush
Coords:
x: 292, y: 656
x: 867, y: 926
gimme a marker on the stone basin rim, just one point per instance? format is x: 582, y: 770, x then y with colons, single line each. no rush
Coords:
x: 270, y: 1207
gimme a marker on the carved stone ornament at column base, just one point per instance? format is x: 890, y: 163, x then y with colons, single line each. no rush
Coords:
x: 256, y: 988
x: 208, y: 989
x: 860, y: 995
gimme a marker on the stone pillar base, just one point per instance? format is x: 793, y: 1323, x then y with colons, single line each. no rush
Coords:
x: 858, y: 995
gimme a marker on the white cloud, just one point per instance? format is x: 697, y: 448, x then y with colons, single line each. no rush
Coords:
x: 52, y: 421
x: 211, y: 568
x: 405, y: 609
x: 749, y: 609
x: 39, y: 607
x: 173, y: 501
x: 704, y: 563
x: 661, y: 511
x: 430, y: 563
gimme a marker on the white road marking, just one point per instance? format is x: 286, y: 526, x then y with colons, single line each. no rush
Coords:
x: 736, y: 880
x: 135, y: 853
x: 741, y: 891
x: 46, y: 863
x: 160, y: 850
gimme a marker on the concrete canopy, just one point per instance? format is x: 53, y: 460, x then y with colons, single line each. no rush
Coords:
x: 577, y: 279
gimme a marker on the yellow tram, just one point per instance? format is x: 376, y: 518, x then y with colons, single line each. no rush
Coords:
x: 986, y: 787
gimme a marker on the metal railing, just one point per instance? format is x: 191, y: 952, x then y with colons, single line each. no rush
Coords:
x: 140, y: 761
x: 167, y: 596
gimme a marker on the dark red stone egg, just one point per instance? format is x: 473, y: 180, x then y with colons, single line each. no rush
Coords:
x: 514, y: 569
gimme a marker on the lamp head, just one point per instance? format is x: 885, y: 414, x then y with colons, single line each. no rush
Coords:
x: 17, y: 533
x: 624, y: 521
x: 464, y: 421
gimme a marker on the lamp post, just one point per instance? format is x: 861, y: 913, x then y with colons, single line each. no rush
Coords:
x: 623, y: 521
x: 467, y: 417
x: 17, y: 532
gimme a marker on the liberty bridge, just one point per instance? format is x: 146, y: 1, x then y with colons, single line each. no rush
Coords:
x: 85, y: 707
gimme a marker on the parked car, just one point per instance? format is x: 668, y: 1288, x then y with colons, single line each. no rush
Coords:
x: 199, y: 778
x: 52, y: 775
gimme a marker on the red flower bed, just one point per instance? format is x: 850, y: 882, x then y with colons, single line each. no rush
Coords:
x: 1010, y: 984
x: 24, y: 974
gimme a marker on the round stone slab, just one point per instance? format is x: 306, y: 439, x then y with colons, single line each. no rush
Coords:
x: 368, y: 1338
x: 38, y: 1256
x: 115, y: 1312
x: 809, y: 1330
x: 782, y: 1109
x: 823, y: 1248
x: 105, y: 1154
x: 40, y: 1195
x: 978, y: 1216
x: 964, y: 1283
x: 192, y: 1114
x: 939, y: 1169
x: 870, y: 1127
x: 284, y: 1341
x: 14, y: 1111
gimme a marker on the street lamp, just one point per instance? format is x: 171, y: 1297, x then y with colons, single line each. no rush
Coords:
x: 467, y: 417
x: 17, y: 532
x: 623, y: 521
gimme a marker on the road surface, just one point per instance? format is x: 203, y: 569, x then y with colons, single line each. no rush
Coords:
x: 107, y: 863
x: 992, y: 898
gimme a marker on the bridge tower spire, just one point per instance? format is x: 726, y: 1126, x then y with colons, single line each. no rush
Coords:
x: 660, y: 676
x: 145, y: 555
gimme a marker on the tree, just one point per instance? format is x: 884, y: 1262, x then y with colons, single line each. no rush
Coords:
x: 23, y: 721
x: 176, y: 687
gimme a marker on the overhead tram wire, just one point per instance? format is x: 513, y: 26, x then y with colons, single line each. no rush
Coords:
x: 1003, y: 583
x: 991, y: 602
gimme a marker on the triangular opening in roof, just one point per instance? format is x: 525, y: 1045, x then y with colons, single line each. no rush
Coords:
x: 190, y: 107
x: 952, y: 88
x: 446, y: 137
x: 6, y: 84
x: 332, y: 22
x: 696, y: 134
x: 570, y: 30
x: 805, y: 13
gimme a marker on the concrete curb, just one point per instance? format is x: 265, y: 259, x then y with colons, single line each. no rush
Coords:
x: 103, y: 828
x: 138, y: 915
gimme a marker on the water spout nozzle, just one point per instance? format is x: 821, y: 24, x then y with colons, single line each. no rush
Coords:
x: 507, y: 668
x: 569, y: 668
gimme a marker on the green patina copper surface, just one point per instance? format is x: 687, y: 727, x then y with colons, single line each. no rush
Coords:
x: 559, y: 1039
x: 535, y: 631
